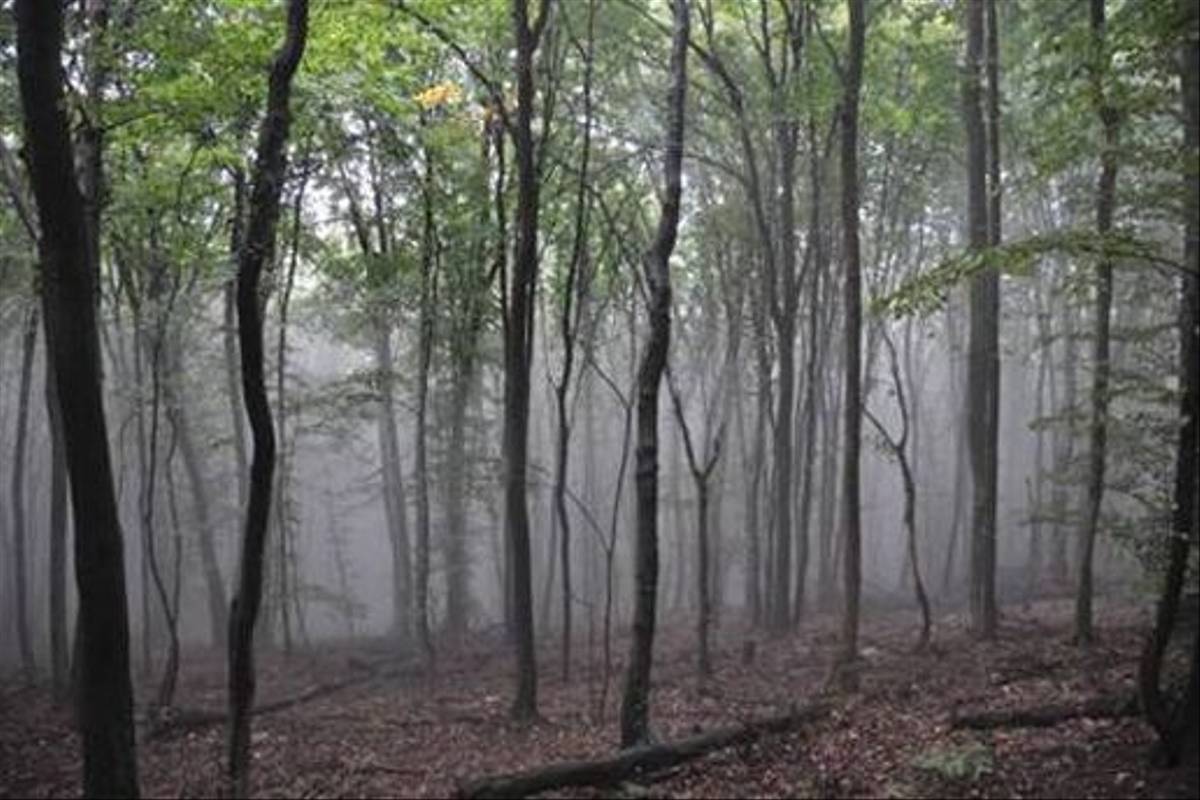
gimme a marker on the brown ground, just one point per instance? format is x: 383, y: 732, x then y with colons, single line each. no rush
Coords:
x: 418, y: 736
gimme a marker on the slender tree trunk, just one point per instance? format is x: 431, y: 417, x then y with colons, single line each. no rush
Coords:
x: 1105, y: 200
x: 105, y: 697
x: 852, y: 565
x: 24, y: 641
x: 269, y: 171
x: 424, y: 359
x: 229, y: 338
x: 201, y: 504
x: 395, y: 508
x: 59, y: 658
x: 635, y: 704
x: 704, y: 596
x: 282, y: 504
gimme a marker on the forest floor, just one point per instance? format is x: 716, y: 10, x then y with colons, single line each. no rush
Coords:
x: 408, y: 732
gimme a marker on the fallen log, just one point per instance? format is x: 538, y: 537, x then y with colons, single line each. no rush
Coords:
x: 637, y: 761
x: 1047, y: 716
x: 163, y: 723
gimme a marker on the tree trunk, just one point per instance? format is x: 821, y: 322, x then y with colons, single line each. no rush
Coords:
x: 201, y: 505
x: 1172, y: 725
x: 229, y: 336
x: 424, y: 359
x: 105, y: 697
x: 704, y: 596
x: 852, y: 565
x: 518, y: 349
x: 395, y: 508
x: 269, y: 171
x: 59, y: 658
x: 24, y: 641
x: 983, y: 359
x: 287, y: 596
x: 635, y: 704
x: 1105, y: 200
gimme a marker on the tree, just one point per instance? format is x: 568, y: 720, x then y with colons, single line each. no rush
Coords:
x: 852, y: 403
x: 269, y: 170
x: 1106, y: 188
x: 105, y: 696
x: 635, y: 703
x: 518, y: 350
x: 570, y: 317
x: 28, y: 346
x: 983, y: 361
x: 1175, y: 726
x: 898, y: 445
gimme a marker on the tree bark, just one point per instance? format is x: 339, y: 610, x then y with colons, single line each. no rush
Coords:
x: 193, y: 464
x: 852, y: 566
x: 229, y: 337
x: 394, y: 505
x: 638, y: 761
x: 518, y: 349
x: 1105, y: 200
x: 24, y: 641
x: 569, y: 322
x: 1172, y: 725
x: 269, y: 171
x: 59, y: 657
x: 635, y: 704
x: 105, y: 697
x: 424, y: 361
x: 983, y: 361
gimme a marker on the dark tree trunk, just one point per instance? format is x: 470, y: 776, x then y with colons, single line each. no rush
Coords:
x: 229, y: 337
x: 852, y: 566
x: 983, y: 360
x: 24, y: 641
x: 269, y: 172
x: 518, y: 349
x: 1105, y: 200
x: 635, y: 704
x: 1172, y: 725
x: 105, y: 697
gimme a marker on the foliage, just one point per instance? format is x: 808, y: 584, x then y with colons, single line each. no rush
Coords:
x: 958, y: 762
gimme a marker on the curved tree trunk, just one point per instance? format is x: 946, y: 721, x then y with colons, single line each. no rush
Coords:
x: 269, y: 170
x: 635, y: 704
